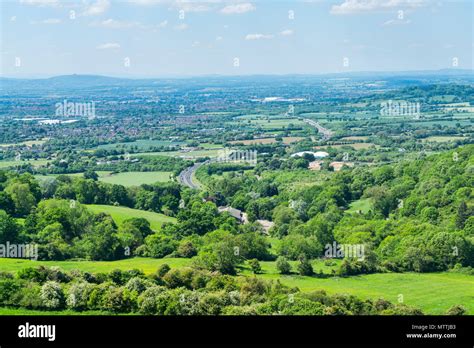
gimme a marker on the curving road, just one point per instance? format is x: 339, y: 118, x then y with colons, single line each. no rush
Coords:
x: 186, y: 176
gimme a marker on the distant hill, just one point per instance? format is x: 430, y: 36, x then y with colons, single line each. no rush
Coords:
x: 93, y: 81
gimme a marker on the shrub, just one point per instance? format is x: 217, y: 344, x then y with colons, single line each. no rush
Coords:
x: 78, y: 295
x: 456, y: 310
x: 119, y: 300
x: 162, y: 270
x: 305, y: 268
x: 8, y: 288
x: 283, y: 265
x: 30, y: 296
x: 138, y: 284
x: 147, y: 301
x: 35, y: 274
x: 52, y: 295
x: 186, y: 249
x: 177, y: 278
x: 255, y: 266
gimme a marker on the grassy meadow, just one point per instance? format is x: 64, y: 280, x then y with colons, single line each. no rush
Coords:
x: 433, y: 293
x: 119, y: 214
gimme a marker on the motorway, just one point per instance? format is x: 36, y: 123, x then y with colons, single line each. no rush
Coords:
x: 327, y: 134
x: 186, y: 176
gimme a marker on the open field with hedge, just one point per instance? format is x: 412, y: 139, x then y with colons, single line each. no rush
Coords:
x: 433, y: 293
x: 120, y: 214
x: 136, y: 178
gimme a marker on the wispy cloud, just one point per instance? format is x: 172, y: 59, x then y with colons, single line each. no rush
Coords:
x: 258, y: 37
x: 397, y: 22
x: 115, y: 24
x: 96, y: 8
x: 53, y: 3
x: 363, y: 6
x: 108, y: 46
x: 238, y: 8
x: 185, y: 5
x: 286, y: 32
x: 48, y: 21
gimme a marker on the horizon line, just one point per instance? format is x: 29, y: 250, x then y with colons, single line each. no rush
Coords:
x: 185, y: 76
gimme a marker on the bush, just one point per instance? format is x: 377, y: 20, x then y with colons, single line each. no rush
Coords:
x: 35, y: 274
x: 456, y: 310
x: 52, y: 295
x: 283, y: 265
x: 119, y: 300
x: 138, y: 284
x: 305, y: 268
x: 255, y: 266
x: 147, y: 302
x: 78, y: 295
x: 177, y: 278
x: 120, y: 277
x: 186, y: 249
x: 8, y: 288
x: 162, y: 270
x: 30, y: 297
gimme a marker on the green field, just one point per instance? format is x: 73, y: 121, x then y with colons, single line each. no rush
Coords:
x: 364, y: 205
x: 119, y: 214
x: 434, y: 293
x: 34, y: 163
x: 211, y: 152
x: 442, y: 139
x: 136, y: 178
x: 125, y: 178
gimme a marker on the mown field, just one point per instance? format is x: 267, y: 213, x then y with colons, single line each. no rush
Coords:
x: 126, y: 178
x: 119, y: 214
x: 34, y: 163
x: 434, y: 293
x: 136, y: 178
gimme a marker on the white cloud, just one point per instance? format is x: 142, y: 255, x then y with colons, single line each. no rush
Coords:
x: 361, y: 6
x: 258, y: 37
x: 97, y: 8
x: 196, y: 44
x: 182, y: 26
x: 108, y: 45
x: 163, y: 24
x: 115, y: 24
x: 53, y: 3
x: 186, y: 5
x: 12, y: 18
x: 397, y: 22
x: 219, y: 38
x: 51, y: 21
x: 238, y: 8
x: 286, y: 32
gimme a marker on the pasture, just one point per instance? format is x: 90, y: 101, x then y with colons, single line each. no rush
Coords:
x: 433, y: 293
x: 119, y: 214
x: 136, y: 178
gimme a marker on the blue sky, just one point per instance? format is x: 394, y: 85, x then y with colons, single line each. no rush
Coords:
x: 139, y: 38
